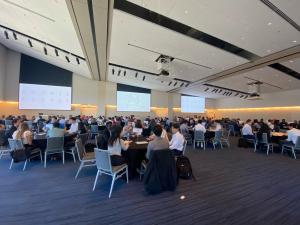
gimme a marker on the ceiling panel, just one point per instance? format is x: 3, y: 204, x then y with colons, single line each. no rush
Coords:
x: 293, y: 64
x: 250, y: 25
x: 48, y: 21
x: 289, y: 7
x: 128, y: 30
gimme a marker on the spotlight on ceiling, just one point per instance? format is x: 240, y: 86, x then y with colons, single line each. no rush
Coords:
x: 206, y: 89
x: 144, y: 78
x: 236, y: 94
x: 187, y: 85
x: 220, y: 91
x: 6, y: 34
x: 45, y: 51
x: 30, y: 43
x: 175, y: 83
x: 15, y: 36
x: 136, y: 74
x: 224, y: 93
x: 241, y: 96
x: 246, y: 97
x: 124, y: 73
x: 67, y: 58
x: 170, y: 83
x: 119, y: 72
x: 214, y: 90
x: 77, y: 60
x: 56, y: 52
x: 181, y: 84
x: 113, y: 71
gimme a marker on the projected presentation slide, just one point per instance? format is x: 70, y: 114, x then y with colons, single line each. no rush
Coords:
x: 34, y: 96
x: 133, y: 101
x: 191, y: 104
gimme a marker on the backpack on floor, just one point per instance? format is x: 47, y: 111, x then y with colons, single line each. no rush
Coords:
x: 184, y: 168
x: 243, y: 143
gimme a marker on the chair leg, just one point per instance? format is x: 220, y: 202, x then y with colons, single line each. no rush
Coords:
x: 74, y: 157
x: 45, y: 160
x: 79, y: 169
x: 194, y: 144
x: 11, y: 163
x: 96, y: 179
x: 204, y: 145
x: 41, y: 156
x: 63, y: 156
x: 293, y: 150
x: 268, y: 148
x: 254, y: 147
x: 127, y: 175
x: 24, y: 167
x: 112, y: 185
x: 282, y: 149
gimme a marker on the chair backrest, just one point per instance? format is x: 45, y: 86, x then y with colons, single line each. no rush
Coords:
x: 98, y: 138
x: 55, y: 143
x: 15, y: 144
x: 103, y: 160
x: 218, y: 135
x: 199, y: 135
x: 94, y: 128
x: 79, y: 148
x: 297, y: 145
x: 231, y: 128
x: 225, y: 134
x: 8, y: 122
x: 184, y: 147
x: 264, y: 138
x: 84, y: 137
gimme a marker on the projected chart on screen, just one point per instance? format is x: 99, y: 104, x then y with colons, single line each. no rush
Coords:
x: 34, y: 96
x: 133, y: 101
x: 192, y: 104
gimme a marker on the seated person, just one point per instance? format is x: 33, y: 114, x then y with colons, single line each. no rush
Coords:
x: 177, y: 141
x: 105, y: 137
x: 247, y: 130
x: 2, y: 135
x: 293, y: 134
x: 23, y: 133
x: 55, y: 131
x: 283, y: 124
x: 264, y: 128
x: 115, y: 146
x: 127, y: 130
x: 200, y: 127
x: 74, y: 126
x: 14, y: 127
x: 158, y: 143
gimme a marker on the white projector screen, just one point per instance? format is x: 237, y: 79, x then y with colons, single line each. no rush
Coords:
x: 35, y: 96
x: 191, y: 104
x: 133, y: 101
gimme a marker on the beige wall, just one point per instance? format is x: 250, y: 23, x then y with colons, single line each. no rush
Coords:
x: 3, y: 53
x: 262, y: 108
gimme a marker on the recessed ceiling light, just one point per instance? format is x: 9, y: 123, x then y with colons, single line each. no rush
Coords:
x: 294, y: 41
x: 269, y: 24
x: 291, y: 61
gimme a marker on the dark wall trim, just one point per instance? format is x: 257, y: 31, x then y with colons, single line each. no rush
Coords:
x: 226, y: 89
x: 285, y: 70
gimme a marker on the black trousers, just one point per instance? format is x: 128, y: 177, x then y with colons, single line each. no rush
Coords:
x: 117, y: 160
x: 177, y: 152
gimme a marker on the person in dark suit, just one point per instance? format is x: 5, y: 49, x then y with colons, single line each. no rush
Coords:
x: 105, y: 137
x: 14, y: 127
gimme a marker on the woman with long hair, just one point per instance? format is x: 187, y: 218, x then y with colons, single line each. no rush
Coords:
x: 115, y: 146
x: 24, y: 134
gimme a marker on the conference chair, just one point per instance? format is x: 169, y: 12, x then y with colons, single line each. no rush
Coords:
x: 217, y: 139
x: 104, y: 166
x: 94, y: 130
x: 86, y: 159
x: 225, y: 138
x: 291, y: 147
x: 199, y: 138
x: 55, y: 145
x: 264, y: 142
x: 4, y: 150
x: 19, y: 153
x: 8, y: 124
x: 98, y: 138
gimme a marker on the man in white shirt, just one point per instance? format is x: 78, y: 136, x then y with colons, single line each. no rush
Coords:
x: 74, y: 126
x: 293, y: 134
x: 177, y: 141
x: 247, y: 130
x: 200, y: 127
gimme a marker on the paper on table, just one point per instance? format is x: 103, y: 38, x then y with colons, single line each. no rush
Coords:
x: 141, y: 142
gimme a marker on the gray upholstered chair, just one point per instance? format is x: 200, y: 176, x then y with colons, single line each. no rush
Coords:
x: 291, y: 147
x: 54, y: 145
x: 104, y: 166
x: 199, y: 138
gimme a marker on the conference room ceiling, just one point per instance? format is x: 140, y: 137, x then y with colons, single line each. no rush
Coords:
x: 48, y: 21
x: 140, y: 36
